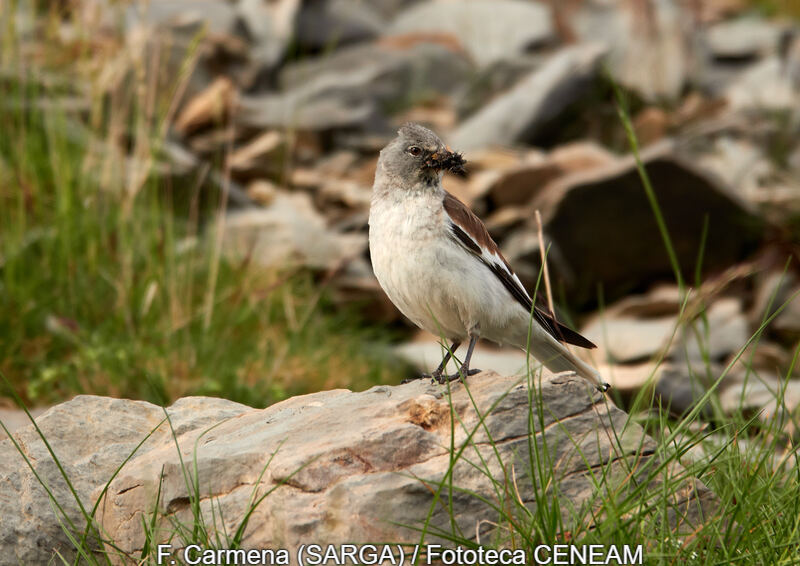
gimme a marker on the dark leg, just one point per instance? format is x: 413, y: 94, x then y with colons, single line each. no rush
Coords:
x: 464, y: 369
x: 437, y: 373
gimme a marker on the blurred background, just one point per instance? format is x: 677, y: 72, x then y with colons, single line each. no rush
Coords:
x: 185, y: 185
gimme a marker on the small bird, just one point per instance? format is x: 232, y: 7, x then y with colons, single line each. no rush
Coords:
x: 437, y: 263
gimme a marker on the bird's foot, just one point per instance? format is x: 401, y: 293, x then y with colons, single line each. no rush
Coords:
x: 410, y: 379
x: 466, y: 372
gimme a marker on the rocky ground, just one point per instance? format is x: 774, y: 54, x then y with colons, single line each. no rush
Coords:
x: 286, y: 104
x: 281, y: 108
x: 324, y: 478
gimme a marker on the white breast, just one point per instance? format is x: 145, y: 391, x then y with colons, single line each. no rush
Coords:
x: 432, y: 280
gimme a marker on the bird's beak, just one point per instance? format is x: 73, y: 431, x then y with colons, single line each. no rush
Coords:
x: 446, y: 160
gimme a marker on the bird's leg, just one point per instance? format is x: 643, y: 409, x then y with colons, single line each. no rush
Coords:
x: 464, y: 369
x: 437, y: 373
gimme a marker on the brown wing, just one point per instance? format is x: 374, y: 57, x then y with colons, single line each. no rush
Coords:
x: 471, y: 233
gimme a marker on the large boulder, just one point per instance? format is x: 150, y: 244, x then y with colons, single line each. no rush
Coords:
x: 335, y: 466
x: 603, y: 228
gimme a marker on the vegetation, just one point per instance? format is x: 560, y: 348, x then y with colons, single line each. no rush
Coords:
x: 108, y: 284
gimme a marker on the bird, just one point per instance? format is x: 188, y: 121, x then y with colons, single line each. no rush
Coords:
x: 437, y: 263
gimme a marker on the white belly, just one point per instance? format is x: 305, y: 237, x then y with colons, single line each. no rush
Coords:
x: 432, y: 280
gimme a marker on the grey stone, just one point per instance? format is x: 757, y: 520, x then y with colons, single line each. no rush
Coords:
x: 326, y: 24
x: 216, y: 16
x: 649, y: 48
x: 289, y: 230
x: 743, y: 38
x: 519, y: 114
x: 681, y: 386
x: 357, y: 467
x: 91, y: 436
x: 773, y: 399
x: 722, y: 331
x: 269, y: 24
x: 765, y: 85
x: 630, y: 340
x: 490, y: 30
x: 352, y: 87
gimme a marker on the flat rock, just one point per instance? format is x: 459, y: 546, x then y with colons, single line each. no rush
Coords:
x: 490, y: 30
x: 336, y: 479
x: 91, y: 436
x: 520, y: 114
x: 743, y: 38
x: 338, y: 466
x: 628, y: 339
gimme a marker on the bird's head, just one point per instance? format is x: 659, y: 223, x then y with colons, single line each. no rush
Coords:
x: 417, y: 154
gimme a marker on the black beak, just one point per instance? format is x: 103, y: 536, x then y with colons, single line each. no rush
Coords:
x: 446, y: 161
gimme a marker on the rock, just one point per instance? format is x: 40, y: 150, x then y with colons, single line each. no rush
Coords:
x: 519, y: 115
x: 208, y: 108
x: 787, y: 322
x: 649, y: 48
x: 490, y: 30
x: 263, y: 156
x: 776, y: 289
x: 581, y: 156
x: 766, y: 85
x: 290, y: 231
x: 681, y: 386
x: 269, y: 24
x: 494, y: 79
x: 651, y: 125
x: 350, y: 88
x: 322, y: 24
x: 768, y: 397
x: 723, y: 332
x: 662, y: 300
x: 611, y: 202
x: 629, y: 340
x: 262, y: 191
x: 740, y: 163
x: 629, y: 379
x: 216, y: 16
x: 743, y: 38
x: 91, y: 436
x: 366, y: 477
x: 520, y: 184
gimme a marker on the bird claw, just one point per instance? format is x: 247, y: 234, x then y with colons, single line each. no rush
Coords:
x: 442, y: 379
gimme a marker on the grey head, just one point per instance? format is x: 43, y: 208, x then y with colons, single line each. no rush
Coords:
x: 417, y: 155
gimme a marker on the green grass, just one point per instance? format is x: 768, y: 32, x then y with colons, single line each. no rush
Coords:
x: 108, y: 286
x: 109, y: 282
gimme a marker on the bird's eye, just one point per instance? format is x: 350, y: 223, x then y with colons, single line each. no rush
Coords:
x: 415, y: 151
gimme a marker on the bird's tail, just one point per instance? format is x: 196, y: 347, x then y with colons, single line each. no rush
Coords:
x: 557, y: 358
